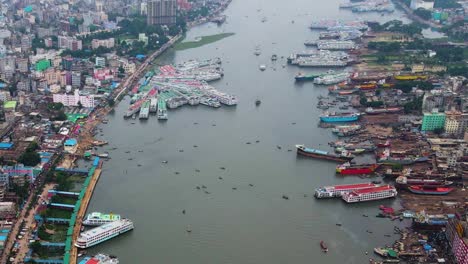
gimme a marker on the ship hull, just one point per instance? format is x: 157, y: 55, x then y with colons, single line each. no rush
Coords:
x: 356, y: 171
x: 331, y: 119
x: 324, y: 157
x: 428, y: 192
x: 305, y: 78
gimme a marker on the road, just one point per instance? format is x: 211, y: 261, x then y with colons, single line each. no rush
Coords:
x: 410, y: 13
x: 29, y: 222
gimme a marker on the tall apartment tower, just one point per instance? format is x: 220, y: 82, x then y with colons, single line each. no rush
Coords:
x: 161, y: 12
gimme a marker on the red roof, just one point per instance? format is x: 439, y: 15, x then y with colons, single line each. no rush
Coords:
x: 351, y: 186
x: 374, y: 189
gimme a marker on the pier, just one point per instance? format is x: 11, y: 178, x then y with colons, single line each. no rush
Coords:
x: 71, y: 252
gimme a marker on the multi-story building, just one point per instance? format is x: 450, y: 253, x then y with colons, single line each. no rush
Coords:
x: 452, y: 122
x: 433, y: 120
x: 74, y: 99
x: 76, y: 79
x: 100, y: 62
x: 129, y: 67
x: 457, y: 235
x: 26, y: 43
x: 161, y: 12
x: 23, y: 64
x: 426, y: 4
x: 106, y: 43
x: 52, y: 76
x: 65, y: 42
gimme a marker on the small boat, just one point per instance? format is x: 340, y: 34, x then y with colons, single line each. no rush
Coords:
x: 429, y: 190
x: 323, y: 246
x: 274, y: 57
x: 257, y: 51
x: 258, y: 102
x: 262, y: 67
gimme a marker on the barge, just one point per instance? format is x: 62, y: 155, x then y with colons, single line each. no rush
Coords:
x: 320, y: 154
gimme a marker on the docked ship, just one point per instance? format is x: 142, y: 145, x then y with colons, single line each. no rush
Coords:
x: 349, y: 146
x: 429, y: 190
x: 100, y: 259
x: 320, y: 154
x: 403, y: 181
x: 342, y: 130
x: 352, y: 151
x: 332, y: 78
x: 302, y: 77
x: 349, y: 169
x: 144, y: 110
x: 322, y: 62
x: 153, y: 105
x: 335, y: 44
x: 387, y: 158
x: 103, y: 233
x: 162, y: 109
x: 425, y: 221
x: 370, y: 194
x: 339, y: 190
x: 97, y: 219
x: 339, y: 117
x: 376, y: 111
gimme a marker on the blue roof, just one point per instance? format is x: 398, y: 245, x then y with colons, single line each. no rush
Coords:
x: 140, y: 56
x: 70, y: 142
x: 5, y: 145
x: 3, y: 238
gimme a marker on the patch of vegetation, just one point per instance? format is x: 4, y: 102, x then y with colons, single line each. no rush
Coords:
x: 63, y: 200
x: 204, y: 40
x: 397, y: 26
x: 57, y: 213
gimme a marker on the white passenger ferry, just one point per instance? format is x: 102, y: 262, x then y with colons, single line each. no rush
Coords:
x: 339, y: 190
x: 103, y: 233
x: 370, y: 194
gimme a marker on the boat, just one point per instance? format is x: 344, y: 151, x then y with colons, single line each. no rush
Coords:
x: 323, y: 246
x: 257, y: 51
x: 103, y: 233
x: 385, y: 252
x: 99, y: 143
x: 373, y: 111
x: 349, y: 169
x: 274, y: 57
x: 97, y: 219
x: 339, y: 190
x: 422, y: 220
x: 162, y: 109
x: 262, y: 67
x: 103, y: 155
x: 344, y: 128
x: 353, y: 151
x: 339, y: 117
x: 403, y: 181
x: 429, y: 190
x: 302, y: 77
x: 332, y: 78
x: 370, y: 194
x: 258, y: 102
x: 100, y: 259
x: 320, y: 154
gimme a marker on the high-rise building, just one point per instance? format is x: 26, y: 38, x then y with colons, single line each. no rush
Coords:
x: 161, y: 12
x: 433, y: 120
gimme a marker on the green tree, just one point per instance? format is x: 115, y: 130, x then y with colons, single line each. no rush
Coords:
x: 29, y: 158
x: 423, y: 13
x: 61, y: 116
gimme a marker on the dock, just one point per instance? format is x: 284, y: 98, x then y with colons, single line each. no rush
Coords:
x: 81, y: 213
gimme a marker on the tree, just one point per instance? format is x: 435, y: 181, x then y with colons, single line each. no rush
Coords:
x: 30, y: 158
x: 438, y: 131
x: 32, y: 147
x: 36, y: 246
x: 423, y: 13
x: 121, y: 70
x: 111, y: 102
x: 61, y: 116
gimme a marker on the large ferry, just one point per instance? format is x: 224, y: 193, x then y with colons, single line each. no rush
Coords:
x: 97, y: 219
x: 320, y: 154
x: 372, y: 111
x: 332, y: 78
x: 403, y: 181
x: 339, y: 190
x: 103, y: 233
x: 348, y: 169
x: 337, y: 117
x: 370, y: 194
x: 100, y: 259
x: 302, y: 77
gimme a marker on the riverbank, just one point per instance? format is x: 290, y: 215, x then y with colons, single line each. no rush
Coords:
x: 203, y: 40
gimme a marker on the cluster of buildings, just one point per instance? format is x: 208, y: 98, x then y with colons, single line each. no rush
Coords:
x: 442, y: 15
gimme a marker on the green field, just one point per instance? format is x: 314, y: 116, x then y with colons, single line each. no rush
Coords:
x: 203, y: 41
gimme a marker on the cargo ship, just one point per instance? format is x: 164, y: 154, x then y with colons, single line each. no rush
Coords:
x: 344, y: 131
x: 352, y: 151
x: 335, y: 44
x: 348, y: 146
x: 429, y: 190
x: 348, y: 169
x: 100, y: 259
x: 367, y: 86
x: 376, y: 111
x: 332, y: 78
x: 339, y: 117
x: 403, y: 181
x: 300, y: 77
x: 320, y: 154
x: 144, y: 110
x: 410, y: 77
x: 339, y: 190
x: 103, y: 233
x: 97, y: 219
x: 425, y: 221
x: 370, y: 194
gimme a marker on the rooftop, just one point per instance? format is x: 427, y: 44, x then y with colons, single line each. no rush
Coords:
x: 9, y: 104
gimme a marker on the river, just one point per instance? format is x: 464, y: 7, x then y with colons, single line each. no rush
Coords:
x: 249, y: 224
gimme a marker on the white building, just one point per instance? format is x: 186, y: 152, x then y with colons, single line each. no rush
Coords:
x: 74, y: 99
x: 100, y: 62
x: 129, y: 67
x: 106, y: 43
x: 426, y: 4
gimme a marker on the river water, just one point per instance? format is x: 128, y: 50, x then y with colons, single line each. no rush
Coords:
x: 251, y: 224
